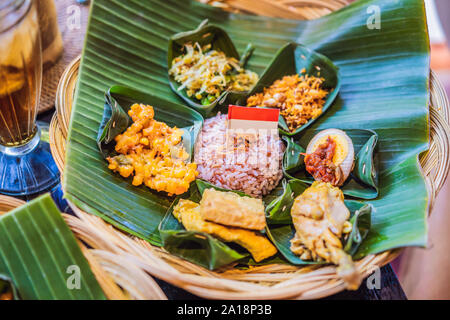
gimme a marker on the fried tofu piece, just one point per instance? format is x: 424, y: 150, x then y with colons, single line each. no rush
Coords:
x: 188, y: 213
x: 320, y: 218
x: 230, y: 209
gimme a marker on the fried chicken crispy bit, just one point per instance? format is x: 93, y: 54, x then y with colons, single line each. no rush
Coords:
x: 320, y: 218
x: 149, y: 151
x: 188, y: 213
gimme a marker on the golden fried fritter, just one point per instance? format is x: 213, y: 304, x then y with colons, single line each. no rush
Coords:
x: 320, y: 218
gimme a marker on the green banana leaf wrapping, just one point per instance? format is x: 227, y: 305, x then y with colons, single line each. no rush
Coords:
x: 7, y: 287
x: 384, y: 87
x: 202, y: 248
x: 116, y: 119
x: 292, y: 59
x: 361, y: 221
x: 279, y: 210
x: 363, y: 181
x: 40, y: 256
x: 218, y: 38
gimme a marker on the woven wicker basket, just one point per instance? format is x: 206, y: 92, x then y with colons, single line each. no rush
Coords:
x: 137, y: 261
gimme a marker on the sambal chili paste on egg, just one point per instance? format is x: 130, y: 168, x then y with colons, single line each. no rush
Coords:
x: 320, y: 163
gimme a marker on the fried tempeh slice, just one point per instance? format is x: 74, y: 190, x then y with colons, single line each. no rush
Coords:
x: 188, y: 213
x: 230, y: 209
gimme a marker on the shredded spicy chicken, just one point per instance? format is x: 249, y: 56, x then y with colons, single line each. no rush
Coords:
x: 320, y: 163
x: 151, y: 152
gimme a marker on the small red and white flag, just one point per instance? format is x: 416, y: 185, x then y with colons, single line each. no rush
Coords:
x: 244, y: 118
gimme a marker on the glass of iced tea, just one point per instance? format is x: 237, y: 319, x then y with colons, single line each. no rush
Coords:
x: 26, y: 165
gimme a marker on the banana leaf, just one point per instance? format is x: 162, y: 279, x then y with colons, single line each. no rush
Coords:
x: 281, y: 230
x: 204, y: 249
x: 384, y: 87
x: 219, y: 40
x: 197, y: 247
x: 292, y: 59
x: 363, y: 180
x: 38, y: 252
